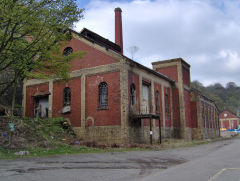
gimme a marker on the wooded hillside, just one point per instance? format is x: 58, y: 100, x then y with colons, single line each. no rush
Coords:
x: 227, y: 98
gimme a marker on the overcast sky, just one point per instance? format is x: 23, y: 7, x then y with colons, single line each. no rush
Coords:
x: 205, y: 33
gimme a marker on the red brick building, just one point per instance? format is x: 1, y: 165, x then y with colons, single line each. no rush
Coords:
x: 111, y: 98
x: 228, y: 120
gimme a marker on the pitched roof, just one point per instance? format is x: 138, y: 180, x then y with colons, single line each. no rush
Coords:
x: 149, y: 70
x: 227, y: 114
x: 95, y: 38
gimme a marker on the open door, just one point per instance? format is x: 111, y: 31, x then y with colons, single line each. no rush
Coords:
x: 41, y: 107
x: 145, y: 107
x: 41, y: 104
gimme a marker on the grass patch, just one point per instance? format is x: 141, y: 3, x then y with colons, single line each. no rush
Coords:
x: 62, y: 149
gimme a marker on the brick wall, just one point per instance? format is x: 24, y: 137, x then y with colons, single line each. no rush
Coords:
x: 30, y: 91
x: 187, y: 108
x: 203, y: 114
x: 111, y: 116
x: 235, y: 124
x: 225, y: 124
x: 186, y: 76
x: 176, y: 112
x: 75, y: 115
x: 92, y: 58
x: 194, y: 114
x: 158, y: 87
x: 134, y: 78
x: 170, y: 71
x: 168, y: 118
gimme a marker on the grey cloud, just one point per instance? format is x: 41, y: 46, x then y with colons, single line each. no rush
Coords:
x: 205, y: 33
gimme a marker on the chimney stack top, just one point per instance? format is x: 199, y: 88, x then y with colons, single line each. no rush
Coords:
x: 118, y: 9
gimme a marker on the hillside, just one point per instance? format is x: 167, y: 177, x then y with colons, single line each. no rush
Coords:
x: 226, y: 98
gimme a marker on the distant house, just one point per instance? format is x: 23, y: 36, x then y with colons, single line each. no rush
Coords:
x: 113, y: 99
x: 228, y: 120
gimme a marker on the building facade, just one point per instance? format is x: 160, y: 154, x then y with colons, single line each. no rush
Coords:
x: 113, y: 99
x: 228, y: 120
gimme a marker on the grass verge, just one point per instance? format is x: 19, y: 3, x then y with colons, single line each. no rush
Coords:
x: 62, y: 149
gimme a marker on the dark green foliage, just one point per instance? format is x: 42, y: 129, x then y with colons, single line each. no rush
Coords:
x: 226, y: 98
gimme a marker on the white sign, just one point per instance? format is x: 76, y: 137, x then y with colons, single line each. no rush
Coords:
x: 66, y: 109
x: 150, y: 132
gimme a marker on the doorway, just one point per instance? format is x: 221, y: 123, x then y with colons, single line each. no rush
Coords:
x: 41, y: 107
x: 145, y: 107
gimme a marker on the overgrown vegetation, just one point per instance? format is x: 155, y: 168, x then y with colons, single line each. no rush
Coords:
x: 226, y: 98
x: 34, y: 132
x: 46, y: 137
x: 43, y: 137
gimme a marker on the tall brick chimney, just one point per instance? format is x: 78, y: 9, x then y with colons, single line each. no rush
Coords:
x: 118, y: 28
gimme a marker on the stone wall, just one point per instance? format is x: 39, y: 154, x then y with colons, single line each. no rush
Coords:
x: 102, y: 134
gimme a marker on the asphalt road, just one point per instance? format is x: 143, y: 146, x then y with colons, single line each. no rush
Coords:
x: 211, y: 162
x: 222, y: 164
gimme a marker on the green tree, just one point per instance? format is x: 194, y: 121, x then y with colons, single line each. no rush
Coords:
x: 226, y: 98
x: 32, y: 33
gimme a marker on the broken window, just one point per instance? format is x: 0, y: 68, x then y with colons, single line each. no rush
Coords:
x: 133, y: 94
x: 67, y: 51
x: 103, y: 96
x: 66, y: 96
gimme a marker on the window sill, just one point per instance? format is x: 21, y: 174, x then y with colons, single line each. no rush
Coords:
x: 102, y: 108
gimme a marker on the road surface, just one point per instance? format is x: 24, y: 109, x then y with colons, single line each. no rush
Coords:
x: 211, y: 162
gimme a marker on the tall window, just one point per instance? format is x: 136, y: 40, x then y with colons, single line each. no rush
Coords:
x: 133, y: 94
x: 157, y: 102
x: 66, y: 96
x: 67, y: 51
x: 103, y: 95
x: 166, y: 106
x: 203, y: 114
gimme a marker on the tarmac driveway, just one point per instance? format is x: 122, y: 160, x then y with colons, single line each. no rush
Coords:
x: 117, y: 166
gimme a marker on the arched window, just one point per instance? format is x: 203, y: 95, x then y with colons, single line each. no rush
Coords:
x: 67, y: 51
x: 103, y: 95
x: 133, y: 94
x: 66, y: 96
x: 157, y: 102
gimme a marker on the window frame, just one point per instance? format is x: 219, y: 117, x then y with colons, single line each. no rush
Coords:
x: 66, y: 97
x: 157, y: 101
x: 67, y: 51
x: 133, y: 97
x: 167, y: 114
x: 103, y: 96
